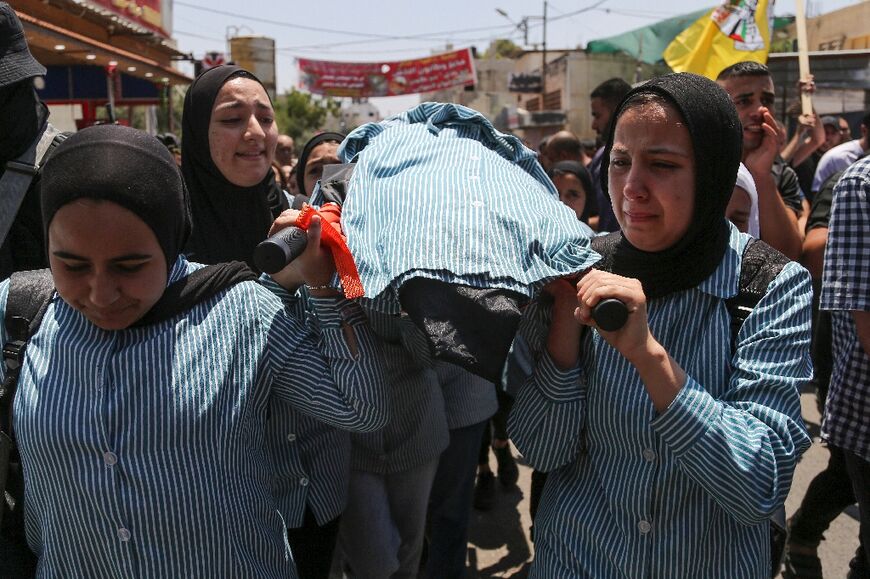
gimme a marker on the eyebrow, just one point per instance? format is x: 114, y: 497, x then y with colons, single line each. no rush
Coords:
x: 658, y: 150
x: 125, y: 257
x: 239, y: 104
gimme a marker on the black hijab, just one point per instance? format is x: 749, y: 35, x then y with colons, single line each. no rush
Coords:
x: 136, y: 171
x: 228, y: 221
x: 317, y: 139
x: 22, y: 115
x: 716, y: 136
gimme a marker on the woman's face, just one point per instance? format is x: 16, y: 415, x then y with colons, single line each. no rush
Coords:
x: 652, y: 176
x: 242, y: 134
x: 106, y: 262
x: 739, y: 207
x: 571, y: 192
x: 323, y: 154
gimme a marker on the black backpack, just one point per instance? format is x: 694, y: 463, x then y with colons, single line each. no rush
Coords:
x: 30, y: 293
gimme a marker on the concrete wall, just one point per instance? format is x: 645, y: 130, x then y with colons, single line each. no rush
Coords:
x: 844, y: 29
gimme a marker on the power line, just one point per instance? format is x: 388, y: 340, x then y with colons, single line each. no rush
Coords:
x: 426, y: 35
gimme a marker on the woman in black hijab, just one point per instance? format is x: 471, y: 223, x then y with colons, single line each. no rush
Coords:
x: 150, y: 381
x: 229, y: 138
x: 668, y: 451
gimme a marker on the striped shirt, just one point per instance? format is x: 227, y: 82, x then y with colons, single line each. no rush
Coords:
x: 684, y: 493
x: 144, y: 449
x: 437, y: 192
x: 417, y: 431
x: 468, y: 398
x: 846, y: 288
x: 310, y: 459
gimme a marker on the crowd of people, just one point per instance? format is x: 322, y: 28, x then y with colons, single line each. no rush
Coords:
x: 178, y: 413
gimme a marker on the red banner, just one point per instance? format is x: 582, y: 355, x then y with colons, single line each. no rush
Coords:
x: 145, y: 13
x: 373, y: 79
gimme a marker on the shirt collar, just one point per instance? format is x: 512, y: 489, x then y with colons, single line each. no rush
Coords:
x: 179, y: 270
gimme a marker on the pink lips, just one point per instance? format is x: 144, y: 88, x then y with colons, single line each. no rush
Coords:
x: 639, y: 217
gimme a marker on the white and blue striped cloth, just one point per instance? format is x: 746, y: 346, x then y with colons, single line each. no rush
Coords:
x: 437, y: 192
x: 310, y: 458
x: 144, y: 449
x: 846, y: 288
x: 417, y: 431
x: 684, y: 493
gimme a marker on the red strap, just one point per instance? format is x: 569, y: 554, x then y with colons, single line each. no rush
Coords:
x: 334, y: 240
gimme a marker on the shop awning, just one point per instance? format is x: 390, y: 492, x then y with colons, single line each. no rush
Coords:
x: 54, y: 45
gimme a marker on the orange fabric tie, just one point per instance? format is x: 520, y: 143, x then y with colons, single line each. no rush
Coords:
x: 332, y: 237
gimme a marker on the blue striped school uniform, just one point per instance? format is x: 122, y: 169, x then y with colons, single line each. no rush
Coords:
x: 417, y: 431
x: 438, y: 193
x: 310, y: 458
x: 144, y: 449
x: 468, y: 398
x: 684, y: 493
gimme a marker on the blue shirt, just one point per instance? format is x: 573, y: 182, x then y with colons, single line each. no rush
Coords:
x: 310, y: 458
x: 437, y: 192
x: 846, y: 288
x: 144, y: 449
x: 417, y: 431
x: 687, y: 492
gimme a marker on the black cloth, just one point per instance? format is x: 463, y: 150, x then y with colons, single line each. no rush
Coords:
x: 787, y: 184
x: 228, y: 221
x: 859, y: 473
x: 470, y: 327
x: 716, y: 135
x: 199, y: 286
x: 22, y: 118
x: 312, y: 546
x: 306, y: 152
x: 125, y: 166
x: 805, y: 173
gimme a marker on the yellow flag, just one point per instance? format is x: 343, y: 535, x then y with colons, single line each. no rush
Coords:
x: 735, y: 31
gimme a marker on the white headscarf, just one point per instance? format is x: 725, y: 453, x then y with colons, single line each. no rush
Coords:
x: 747, y: 183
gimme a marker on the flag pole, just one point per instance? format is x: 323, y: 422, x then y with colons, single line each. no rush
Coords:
x: 803, y: 55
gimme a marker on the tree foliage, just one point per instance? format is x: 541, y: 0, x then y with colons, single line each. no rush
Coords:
x: 503, y: 48
x: 301, y: 114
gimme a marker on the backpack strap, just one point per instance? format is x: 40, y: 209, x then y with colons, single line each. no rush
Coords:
x: 30, y: 293
x: 760, y: 266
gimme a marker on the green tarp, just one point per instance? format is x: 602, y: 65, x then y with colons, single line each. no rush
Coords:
x: 648, y: 43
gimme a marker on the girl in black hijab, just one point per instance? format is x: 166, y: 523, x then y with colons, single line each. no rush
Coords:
x: 168, y: 411
x: 230, y: 217
x: 667, y: 451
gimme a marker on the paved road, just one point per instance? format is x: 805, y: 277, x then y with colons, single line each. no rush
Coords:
x: 499, y: 544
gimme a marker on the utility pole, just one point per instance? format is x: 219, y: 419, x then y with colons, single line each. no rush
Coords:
x: 544, y: 60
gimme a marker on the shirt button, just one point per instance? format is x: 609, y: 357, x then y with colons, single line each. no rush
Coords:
x: 649, y: 454
x: 291, y: 437
x: 477, y: 203
x: 123, y: 534
x: 644, y: 527
x: 110, y: 458
x: 303, y: 481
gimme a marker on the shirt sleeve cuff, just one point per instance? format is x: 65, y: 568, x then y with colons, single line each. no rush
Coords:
x: 332, y: 312
x: 687, y: 418
x: 558, y: 385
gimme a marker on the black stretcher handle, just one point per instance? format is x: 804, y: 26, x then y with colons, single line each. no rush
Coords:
x: 273, y: 254
x: 610, y: 314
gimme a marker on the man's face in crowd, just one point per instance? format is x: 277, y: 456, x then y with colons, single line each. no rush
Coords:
x: 601, y: 113
x: 833, y: 137
x: 284, y: 151
x: 751, y: 95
